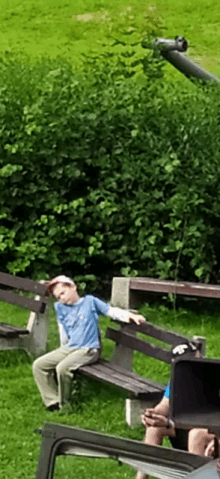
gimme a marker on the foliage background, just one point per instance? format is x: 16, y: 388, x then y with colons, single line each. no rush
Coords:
x: 109, y: 157
x: 109, y: 173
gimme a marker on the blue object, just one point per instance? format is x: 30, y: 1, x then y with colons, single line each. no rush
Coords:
x: 80, y: 321
x: 167, y: 391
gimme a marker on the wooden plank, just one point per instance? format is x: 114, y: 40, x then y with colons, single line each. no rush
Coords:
x: 99, y: 374
x: 131, y: 374
x: 24, y: 284
x: 106, y: 374
x: 156, y: 332
x: 183, y: 287
x: 10, y: 331
x: 122, y: 376
x: 139, y: 345
x: 23, y: 301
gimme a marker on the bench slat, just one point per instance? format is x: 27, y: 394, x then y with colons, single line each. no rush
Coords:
x: 137, y: 344
x: 144, y: 380
x: 102, y: 375
x: 29, y: 303
x: 10, y: 331
x: 105, y: 372
x: 24, y: 284
x: 123, y: 377
x: 169, y: 337
x: 182, y: 287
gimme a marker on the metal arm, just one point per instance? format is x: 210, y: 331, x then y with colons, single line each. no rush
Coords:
x: 170, y: 50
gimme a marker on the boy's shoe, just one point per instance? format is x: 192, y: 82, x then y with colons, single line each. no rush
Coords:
x: 54, y: 407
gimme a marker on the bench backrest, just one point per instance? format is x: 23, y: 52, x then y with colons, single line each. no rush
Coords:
x: 181, y: 287
x: 23, y: 284
x: 126, y: 338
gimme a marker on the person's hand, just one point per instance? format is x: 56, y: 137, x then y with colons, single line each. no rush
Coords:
x: 210, y: 449
x: 136, y: 318
x: 150, y: 418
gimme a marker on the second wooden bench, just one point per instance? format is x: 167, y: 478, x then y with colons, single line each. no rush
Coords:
x: 143, y: 392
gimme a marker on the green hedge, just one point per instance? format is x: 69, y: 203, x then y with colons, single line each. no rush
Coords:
x: 102, y: 174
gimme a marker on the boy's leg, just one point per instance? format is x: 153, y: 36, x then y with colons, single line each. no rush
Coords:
x: 44, y: 375
x: 78, y: 357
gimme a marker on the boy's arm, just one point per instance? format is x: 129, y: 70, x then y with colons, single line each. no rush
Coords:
x: 62, y: 334
x: 117, y: 313
x: 125, y: 316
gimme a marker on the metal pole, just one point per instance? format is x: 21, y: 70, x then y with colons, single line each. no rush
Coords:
x: 171, y: 51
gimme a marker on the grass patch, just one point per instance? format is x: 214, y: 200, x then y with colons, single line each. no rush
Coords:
x: 95, y: 406
x: 68, y: 29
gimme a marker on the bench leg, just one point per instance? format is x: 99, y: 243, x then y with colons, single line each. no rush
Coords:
x: 203, y: 341
x: 22, y: 342
x: 38, y: 325
x: 134, y: 408
x: 123, y: 357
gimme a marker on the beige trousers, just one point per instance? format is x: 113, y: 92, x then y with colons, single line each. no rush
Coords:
x: 62, y: 361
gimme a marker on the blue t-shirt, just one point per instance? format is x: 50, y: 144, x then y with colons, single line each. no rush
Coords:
x: 80, y: 321
x: 167, y: 391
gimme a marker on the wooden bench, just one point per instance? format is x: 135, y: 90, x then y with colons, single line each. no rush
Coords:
x: 143, y: 392
x: 33, y: 338
x: 130, y: 292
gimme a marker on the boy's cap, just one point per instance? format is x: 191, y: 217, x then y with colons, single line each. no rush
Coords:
x: 58, y: 279
x: 63, y: 279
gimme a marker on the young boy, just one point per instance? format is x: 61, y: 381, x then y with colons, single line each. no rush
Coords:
x: 80, y: 342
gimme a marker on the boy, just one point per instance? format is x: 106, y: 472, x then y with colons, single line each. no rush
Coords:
x: 80, y: 342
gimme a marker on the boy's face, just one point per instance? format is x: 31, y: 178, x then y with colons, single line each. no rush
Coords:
x: 66, y: 293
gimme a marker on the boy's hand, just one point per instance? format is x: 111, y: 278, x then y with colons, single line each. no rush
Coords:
x: 136, y: 318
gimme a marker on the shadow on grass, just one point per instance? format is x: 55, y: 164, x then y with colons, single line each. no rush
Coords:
x: 86, y: 391
x: 13, y: 358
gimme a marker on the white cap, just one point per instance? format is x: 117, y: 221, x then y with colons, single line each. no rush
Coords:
x: 63, y: 279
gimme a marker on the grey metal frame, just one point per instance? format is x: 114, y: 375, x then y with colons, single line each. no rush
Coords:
x: 65, y: 440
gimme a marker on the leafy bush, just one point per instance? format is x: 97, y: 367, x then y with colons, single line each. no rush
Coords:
x: 103, y: 174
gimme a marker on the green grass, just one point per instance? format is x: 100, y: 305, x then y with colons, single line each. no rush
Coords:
x: 68, y: 29
x: 33, y: 30
x: 95, y: 406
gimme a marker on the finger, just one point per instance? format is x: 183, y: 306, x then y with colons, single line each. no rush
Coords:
x: 141, y: 319
x: 209, y: 449
x: 149, y: 422
x: 149, y: 412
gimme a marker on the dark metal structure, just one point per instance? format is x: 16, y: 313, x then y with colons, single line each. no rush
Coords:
x: 161, y: 462
x: 195, y: 393
x: 172, y: 51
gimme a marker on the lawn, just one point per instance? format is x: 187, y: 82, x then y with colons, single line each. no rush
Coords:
x: 67, y: 29
x: 95, y: 406
x: 31, y: 31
